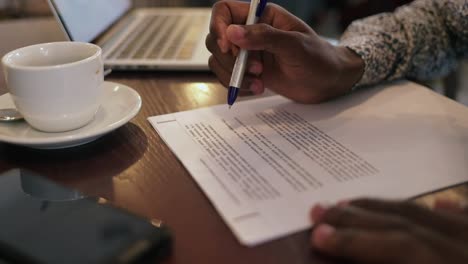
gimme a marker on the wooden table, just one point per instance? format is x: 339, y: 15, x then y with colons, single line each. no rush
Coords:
x: 133, y: 168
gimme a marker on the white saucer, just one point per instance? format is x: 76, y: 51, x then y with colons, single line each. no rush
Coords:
x: 120, y: 104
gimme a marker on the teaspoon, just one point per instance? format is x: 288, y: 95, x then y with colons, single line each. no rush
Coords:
x: 10, y: 114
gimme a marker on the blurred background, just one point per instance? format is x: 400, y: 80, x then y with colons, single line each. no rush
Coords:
x: 336, y: 13
x: 328, y: 18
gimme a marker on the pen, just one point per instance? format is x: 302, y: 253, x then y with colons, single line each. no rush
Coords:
x: 255, y: 12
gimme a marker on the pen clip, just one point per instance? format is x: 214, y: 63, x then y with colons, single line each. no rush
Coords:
x: 261, y: 7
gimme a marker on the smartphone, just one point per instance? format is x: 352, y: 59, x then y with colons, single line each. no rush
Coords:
x: 42, y: 222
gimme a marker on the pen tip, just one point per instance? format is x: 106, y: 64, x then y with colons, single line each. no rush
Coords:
x: 230, y: 107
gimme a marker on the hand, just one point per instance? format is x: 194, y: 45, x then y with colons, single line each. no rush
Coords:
x: 450, y: 206
x: 286, y: 55
x: 373, y: 231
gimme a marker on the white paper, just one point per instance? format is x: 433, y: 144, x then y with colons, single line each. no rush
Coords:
x: 265, y: 162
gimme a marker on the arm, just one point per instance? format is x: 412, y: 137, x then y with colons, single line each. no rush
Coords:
x: 422, y: 40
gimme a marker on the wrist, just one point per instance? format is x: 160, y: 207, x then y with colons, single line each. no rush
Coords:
x: 350, y: 68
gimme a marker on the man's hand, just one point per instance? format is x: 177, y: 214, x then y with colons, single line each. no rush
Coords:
x: 286, y: 55
x: 373, y: 231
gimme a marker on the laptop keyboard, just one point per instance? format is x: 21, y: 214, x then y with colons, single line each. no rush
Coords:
x: 168, y: 37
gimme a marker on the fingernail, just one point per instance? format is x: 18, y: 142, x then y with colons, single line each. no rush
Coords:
x: 322, y: 234
x: 318, y: 211
x: 236, y: 32
x: 464, y: 205
x: 343, y: 203
x: 255, y: 88
x: 255, y: 68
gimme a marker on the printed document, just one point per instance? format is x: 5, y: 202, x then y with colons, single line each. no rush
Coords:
x: 265, y: 162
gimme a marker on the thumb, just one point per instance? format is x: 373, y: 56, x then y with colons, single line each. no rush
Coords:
x: 261, y: 37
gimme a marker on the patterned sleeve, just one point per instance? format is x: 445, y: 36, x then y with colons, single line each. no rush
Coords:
x: 421, y: 40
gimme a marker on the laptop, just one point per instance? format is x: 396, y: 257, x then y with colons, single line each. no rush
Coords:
x: 157, y: 38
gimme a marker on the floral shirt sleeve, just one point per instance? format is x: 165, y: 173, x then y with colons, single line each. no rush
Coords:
x: 421, y: 40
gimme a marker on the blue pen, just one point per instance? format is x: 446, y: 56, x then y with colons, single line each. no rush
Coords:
x: 256, y: 10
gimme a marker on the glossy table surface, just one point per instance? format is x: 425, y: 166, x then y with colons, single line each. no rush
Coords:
x: 134, y: 169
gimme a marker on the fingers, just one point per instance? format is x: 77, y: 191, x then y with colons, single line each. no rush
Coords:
x: 450, y: 206
x: 256, y: 86
x: 376, y: 214
x: 250, y: 85
x: 255, y: 64
x: 226, y: 59
x: 225, y: 13
x: 263, y: 37
x: 446, y: 223
x: 222, y: 64
x: 363, y: 236
x: 218, y: 69
x: 366, y: 246
x: 355, y: 217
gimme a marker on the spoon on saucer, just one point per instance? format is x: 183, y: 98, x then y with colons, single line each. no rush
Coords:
x: 10, y: 114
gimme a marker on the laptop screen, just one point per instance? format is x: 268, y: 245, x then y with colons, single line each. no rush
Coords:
x: 84, y: 20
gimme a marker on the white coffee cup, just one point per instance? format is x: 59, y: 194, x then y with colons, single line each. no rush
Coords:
x: 56, y: 86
